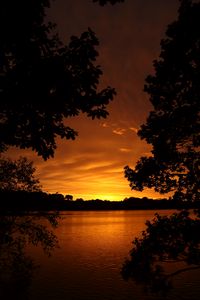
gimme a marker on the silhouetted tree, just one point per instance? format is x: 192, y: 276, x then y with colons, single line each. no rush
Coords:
x: 69, y: 197
x: 79, y: 200
x: 57, y: 196
x: 173, y: 127
x: 18, y: 175
x: 16, y: 265
x: 166, y: 240
x: 43, y: 81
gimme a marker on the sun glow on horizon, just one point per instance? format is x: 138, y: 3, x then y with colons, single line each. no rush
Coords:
x: 109, y: 197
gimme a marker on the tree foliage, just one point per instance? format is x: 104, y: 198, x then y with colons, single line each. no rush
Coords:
x: 173, y: 240
x: 18, y: 175
x: 17, y: 232
x: 173, y: 127
x: 42, y: 81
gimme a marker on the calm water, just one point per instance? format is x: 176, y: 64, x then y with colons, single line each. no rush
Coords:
x: 93, y: 246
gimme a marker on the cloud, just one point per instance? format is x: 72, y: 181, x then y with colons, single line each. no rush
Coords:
x: 125, y: 150
x: 134, y: 129
x: 148, y: 154
x: 104, y: 125
x: 119, y: 131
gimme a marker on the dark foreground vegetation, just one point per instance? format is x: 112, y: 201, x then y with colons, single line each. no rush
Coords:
x: 41, y: 201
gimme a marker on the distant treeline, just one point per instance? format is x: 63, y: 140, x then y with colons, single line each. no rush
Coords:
x: 41, y: 201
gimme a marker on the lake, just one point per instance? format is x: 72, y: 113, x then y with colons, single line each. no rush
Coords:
x: 93, y: 247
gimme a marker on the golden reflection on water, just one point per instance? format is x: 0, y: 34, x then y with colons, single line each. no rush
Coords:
x: 100, y: 235
x: 103, y: 228
x: 93, y: 246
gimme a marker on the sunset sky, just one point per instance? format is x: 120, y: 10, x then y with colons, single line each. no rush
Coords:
x: 129, y: 34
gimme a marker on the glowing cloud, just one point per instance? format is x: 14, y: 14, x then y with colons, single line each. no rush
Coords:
x: 134, y: 129
x: 125, y: 150
x: 104, y: 125
x: 119, y: 131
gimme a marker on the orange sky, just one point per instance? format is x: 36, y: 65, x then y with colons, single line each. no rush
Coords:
x: 92, y: 166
